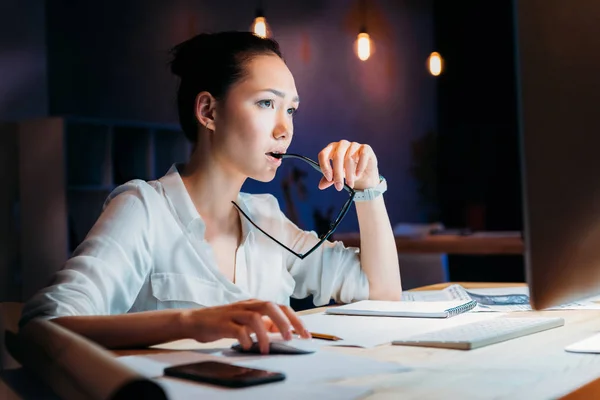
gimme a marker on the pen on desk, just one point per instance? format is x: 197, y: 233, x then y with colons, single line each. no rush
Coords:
x: 323, y: 336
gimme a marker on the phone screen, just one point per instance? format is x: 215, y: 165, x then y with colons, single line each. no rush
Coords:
x: 223, y: 374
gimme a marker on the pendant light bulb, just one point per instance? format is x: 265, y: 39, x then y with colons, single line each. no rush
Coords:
x: 260, y: 27
x: 363, y: 46
x: 435, y: 63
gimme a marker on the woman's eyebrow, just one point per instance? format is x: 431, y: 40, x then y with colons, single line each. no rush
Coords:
x: 281, y: 94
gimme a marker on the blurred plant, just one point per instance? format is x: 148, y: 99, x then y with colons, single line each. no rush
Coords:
x: 294, y: 179
x: 322, y: 221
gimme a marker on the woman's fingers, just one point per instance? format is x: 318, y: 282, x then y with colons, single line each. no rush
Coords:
x: 324, y: 183
x: 241, y: 333
x: 324, y: 157
x: 343, y: 162
x: 253, y: 321
x: 338, y: 158
x: 365, y: 153
x: 269, y: 325
x: 278, y: 317
x: 296, y: 323
x: 350, y: 163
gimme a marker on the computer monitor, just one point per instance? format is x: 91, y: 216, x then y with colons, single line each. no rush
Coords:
x: 558, y: 79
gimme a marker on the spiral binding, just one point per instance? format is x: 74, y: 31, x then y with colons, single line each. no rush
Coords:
x: 461, y: 309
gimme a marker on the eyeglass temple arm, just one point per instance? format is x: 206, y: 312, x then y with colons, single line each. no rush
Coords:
x: 310, y: 162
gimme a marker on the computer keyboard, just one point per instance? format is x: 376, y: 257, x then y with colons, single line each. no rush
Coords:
x: 482, y: 333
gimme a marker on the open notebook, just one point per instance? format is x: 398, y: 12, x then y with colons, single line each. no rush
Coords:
x: 411, y: 309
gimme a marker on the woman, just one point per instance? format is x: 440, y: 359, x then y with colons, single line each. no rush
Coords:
x: 172, y: 258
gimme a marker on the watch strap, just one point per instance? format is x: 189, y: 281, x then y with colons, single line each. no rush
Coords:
x: 372, y: 193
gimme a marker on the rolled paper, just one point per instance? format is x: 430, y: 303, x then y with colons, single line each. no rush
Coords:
x: 75, y: 367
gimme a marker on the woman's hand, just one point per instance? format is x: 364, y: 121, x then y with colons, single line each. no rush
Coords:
x: 239, y: 320
x: 354, y: 162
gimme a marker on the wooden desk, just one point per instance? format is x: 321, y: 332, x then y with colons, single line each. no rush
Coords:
x: 510, y: 244
x: 530, y: 367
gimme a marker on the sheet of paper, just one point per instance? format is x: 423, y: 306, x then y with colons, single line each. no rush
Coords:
x: 178, y: 389
x: 589, y: 304
x: 590, y: 344
x: 374, y: 331
x: 191, y: 344
x: 323, y: 366
x: 144, y: 366
x: 452, y: 292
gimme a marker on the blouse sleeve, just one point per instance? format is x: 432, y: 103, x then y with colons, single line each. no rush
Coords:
x: 108, y: 268
x: 332, y: 271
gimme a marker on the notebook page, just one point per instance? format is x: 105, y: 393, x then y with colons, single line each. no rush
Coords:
x: 425, y: 307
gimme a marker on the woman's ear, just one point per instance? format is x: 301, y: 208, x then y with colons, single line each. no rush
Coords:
x: 205, y: 109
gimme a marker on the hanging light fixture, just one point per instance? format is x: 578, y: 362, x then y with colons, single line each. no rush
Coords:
x: 260, y: 26
x: 435, y: 64
x: 363, y: 46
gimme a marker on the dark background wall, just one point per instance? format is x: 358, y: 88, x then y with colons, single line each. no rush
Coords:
x: 478, y: 160
x: 110, y: 61
x: 23, y: 76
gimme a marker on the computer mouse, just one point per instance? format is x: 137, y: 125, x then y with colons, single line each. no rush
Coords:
x: 281, y: 346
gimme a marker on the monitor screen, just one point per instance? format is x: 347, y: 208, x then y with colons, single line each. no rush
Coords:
x: 558, y: 78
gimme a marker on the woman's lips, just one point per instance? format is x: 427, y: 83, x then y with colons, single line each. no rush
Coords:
x: 273, y: 160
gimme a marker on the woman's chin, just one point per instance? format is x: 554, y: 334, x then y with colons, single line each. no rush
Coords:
x: 264, y: 177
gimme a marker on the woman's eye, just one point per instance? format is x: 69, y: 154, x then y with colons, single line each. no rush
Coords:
x: 292, y: 111
x: 266, y: 103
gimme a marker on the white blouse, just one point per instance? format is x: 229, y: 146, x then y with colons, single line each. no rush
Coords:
x: 147, y: 252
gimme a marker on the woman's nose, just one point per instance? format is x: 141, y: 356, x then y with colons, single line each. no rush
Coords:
x: 283, y: 131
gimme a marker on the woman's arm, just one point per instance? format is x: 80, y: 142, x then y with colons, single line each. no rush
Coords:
x: 378, y: 254
x: 357, y: 165
x: 127, y: 330
x: 237, y: 320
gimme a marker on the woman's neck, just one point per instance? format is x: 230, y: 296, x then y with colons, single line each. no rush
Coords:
x: 212, y: 188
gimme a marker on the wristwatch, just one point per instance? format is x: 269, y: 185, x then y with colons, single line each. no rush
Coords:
x: 371, y: 193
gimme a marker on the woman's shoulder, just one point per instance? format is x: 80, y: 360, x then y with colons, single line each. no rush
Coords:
x: 146, y: 193
x: 260, y: 199
x: 263, y: 204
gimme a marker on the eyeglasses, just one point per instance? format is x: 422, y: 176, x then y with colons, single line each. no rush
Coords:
x: 332, y: 227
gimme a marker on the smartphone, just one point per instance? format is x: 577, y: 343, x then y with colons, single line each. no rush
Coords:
x: 223, y: 374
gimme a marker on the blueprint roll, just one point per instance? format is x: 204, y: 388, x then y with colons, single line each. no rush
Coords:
x: 75, y: 367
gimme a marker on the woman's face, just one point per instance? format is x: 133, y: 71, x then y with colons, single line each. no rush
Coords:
x: 256, y: 118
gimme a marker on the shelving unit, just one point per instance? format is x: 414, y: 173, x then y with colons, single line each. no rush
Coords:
x: 67, y: 168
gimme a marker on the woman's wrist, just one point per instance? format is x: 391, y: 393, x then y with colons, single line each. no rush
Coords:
x: 183, y: 323
x: 369, y: 183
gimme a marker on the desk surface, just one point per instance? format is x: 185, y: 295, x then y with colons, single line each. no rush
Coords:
x: 476, y: 244
x: 530, y: 367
